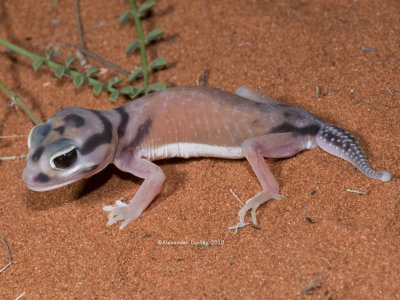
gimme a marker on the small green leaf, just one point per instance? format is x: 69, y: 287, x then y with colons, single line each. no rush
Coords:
x: 114, y: 95
x: 78, y: 80
x: 155, y: 33
x: 91, y: 71
x: 136, y: 91
x: 48, y: 54
x: 69, y: 61
x: 131, y: 91
x: 59, y: 71
x: 126, y: 90
x: 124, y: 17
x: 146, y: 6
x: 157, y: 63
x: 38, y: 63
x: 97, y: 88
x: 115, y: 80
x: 134, y: 75
x: 132, y: 47
x: 156, y: 87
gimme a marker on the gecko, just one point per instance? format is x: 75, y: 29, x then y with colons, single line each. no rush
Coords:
x: 192, y: 121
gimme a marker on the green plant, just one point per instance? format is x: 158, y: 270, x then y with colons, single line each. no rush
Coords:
x: 18, y: 100
x: 140, y: 43
x: 61, y: 70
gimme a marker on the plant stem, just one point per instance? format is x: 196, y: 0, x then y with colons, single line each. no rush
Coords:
x: 104, y: 62
x: 83, y: 49
x: 51, y: 64
x: 78, y: 24
x: 19, y: 101
x: 142, y: 41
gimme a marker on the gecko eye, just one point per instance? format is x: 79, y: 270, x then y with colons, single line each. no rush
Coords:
x: 65, y: 160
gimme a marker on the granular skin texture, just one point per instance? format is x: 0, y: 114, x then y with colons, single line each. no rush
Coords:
x: 180, y: 246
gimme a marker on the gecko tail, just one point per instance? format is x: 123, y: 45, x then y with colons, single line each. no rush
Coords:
x: 341, y: 143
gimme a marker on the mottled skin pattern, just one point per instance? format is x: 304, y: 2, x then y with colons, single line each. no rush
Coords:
x: 180, y: 122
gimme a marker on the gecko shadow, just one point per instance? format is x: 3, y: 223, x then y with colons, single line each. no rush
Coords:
x: 80, y: 190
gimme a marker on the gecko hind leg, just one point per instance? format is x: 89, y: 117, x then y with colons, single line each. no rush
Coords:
x: 245, y: 92
x: 275, y: 145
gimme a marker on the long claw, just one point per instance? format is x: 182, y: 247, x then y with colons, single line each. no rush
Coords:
x: 253, y: 215
x: 123, y: 225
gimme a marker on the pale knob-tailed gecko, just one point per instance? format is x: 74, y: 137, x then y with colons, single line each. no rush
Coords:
x: 180, y: 122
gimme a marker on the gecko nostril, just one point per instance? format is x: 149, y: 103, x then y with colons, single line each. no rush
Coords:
x: 41, y: 177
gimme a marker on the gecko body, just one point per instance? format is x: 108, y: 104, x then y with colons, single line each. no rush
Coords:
x: 180, y: 122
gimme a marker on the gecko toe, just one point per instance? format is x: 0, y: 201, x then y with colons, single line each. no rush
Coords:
x: 108, y: 208
x: 126, y: 222
x: 253, y: 215
x: 113, y: 218
x: 120, y: 203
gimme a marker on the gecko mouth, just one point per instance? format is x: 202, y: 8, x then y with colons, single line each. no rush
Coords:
x: 32, y: 185
x: 41, y: 182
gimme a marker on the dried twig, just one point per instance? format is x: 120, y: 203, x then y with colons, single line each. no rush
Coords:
x: 312, y: 284
x: 237, y: 198
x: 3, y: 158
x: 79, y: 25
x: 389, y: 90
x: 13, y: 136
x: 83, y: 49
x: 356, y: 191
x: 369, y: 49
x: 9, y: 256
x: 238, y: 225
x: 104, y: 62
x: 20, y: 296
x: 317, y: 92
x: 202, y: 78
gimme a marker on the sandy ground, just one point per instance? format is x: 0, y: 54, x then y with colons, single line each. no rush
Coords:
x: 60, y: 244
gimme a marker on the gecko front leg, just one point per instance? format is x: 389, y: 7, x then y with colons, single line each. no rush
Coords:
x: 275, y: 145
x: 153, y: 179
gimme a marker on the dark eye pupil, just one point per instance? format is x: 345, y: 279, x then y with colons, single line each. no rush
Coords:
x: 66, y: 160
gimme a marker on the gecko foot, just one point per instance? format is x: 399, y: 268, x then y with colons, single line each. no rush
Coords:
x: 254, y: 203
x: 120, y: 211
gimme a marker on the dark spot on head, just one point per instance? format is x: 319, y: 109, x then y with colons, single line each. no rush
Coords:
x: 60, y: 129
x: 44, y: 130
x: 74, y: 120
x: 286, y: 114
x: 142, y: 131
x: 39, y: 133
x: 98, y: 139
x: 286, y: 127
x: 42, y: 178
x: 124, y: 121
x: 37, y: 154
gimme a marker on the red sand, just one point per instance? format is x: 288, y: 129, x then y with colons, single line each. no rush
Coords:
x: 60, y: 245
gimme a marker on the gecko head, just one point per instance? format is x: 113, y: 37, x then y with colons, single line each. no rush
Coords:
x: 75, y: 143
